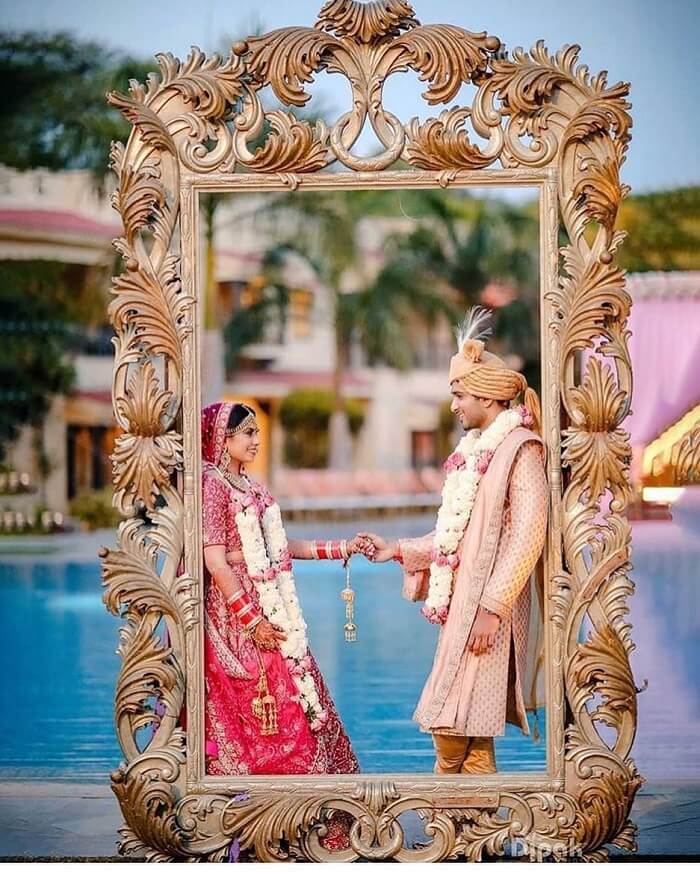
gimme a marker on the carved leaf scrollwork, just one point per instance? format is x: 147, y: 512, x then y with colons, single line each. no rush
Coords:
x: 591, y: 296
x: 209, y: 84
x: 601, y: 667
x: 147, y: 671
x: 527, y: 81
x: 130, y: 578
x: 596, y: 448
x: 155, y: 304
x: 146, y: 455
x: 686, y: 461
x: 365, y: 22
x: 603, y: 809
x: 144, y: 789
x: 293, y: 146
x: 286, y: 59
x: 443, y: 142
x: 445, y: 56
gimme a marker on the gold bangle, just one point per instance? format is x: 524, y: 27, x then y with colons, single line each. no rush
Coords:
x: 314, y: 551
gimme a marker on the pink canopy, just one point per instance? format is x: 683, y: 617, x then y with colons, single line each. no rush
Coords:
x: 665, y: 350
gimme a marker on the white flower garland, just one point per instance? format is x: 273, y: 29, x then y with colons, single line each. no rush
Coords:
x: 266, y: 554
x: 465, y: 468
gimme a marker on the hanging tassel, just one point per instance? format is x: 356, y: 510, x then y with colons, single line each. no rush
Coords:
x: 269, y: 720
x: 348, y: 595
x: 264, y: 705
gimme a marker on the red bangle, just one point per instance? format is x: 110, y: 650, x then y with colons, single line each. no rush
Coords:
x: 248, y: 615
x: 243, y: 608
x: 339, y: 549
x: 397, y: 553
x: 329, y: 549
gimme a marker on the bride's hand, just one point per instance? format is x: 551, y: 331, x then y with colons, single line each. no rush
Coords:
x: 361, y: 545
x: 267, y: 636
x: 356, y: 546
x: 375, y: 548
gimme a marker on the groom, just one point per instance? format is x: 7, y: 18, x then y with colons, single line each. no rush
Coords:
x: 472, y: 569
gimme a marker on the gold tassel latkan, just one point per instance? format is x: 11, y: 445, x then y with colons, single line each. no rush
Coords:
x: 264, y: 704
x: 348, y: 595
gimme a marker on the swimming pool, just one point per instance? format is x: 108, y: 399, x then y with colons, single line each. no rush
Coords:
x: 58, y: 646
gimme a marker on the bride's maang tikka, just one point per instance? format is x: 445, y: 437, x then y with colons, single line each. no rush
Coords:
x: 247, y: 420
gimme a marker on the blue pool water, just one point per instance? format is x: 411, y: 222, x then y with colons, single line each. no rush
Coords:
x: 58, y: 649
x: 58, y: 653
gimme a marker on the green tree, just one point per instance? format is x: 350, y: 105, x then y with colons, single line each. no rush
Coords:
x: 323, y: 227
x: 305, y: 415
x: 463, y: 243
x: 54, y: 113
x: 467, y: 242
x: 249, y: 323
x: 663, y: 230
x: 36, y: 339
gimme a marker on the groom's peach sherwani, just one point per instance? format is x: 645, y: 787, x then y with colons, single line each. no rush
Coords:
x: 471, y: 695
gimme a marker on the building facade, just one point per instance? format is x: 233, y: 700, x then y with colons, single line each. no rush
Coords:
x: 61, y: 217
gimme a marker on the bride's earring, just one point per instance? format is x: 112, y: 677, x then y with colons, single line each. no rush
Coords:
x: 225, y: 459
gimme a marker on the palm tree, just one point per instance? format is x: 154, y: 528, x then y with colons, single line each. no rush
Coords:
x: 323, y: 227
x: 214, y: 350
x: 465, y: 243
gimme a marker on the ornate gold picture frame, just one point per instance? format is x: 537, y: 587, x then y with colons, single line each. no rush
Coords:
x: 536, y: 119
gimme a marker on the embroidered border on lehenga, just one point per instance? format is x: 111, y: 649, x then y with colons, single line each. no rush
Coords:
x: 223, y: 653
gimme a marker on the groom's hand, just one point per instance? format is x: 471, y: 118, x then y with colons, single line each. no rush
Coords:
x: 376, y: 549
x: 483, y: 633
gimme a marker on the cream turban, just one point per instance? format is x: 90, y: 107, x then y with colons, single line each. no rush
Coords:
x: 485, y: 375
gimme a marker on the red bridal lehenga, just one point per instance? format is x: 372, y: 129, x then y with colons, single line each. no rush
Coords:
x: 235, y: 744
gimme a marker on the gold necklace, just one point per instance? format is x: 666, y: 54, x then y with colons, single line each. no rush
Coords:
x: 237, y: 480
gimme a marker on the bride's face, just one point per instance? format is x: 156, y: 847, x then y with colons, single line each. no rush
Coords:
x: 243, y: 447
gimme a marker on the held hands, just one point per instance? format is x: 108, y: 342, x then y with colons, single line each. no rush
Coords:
x: 483, y: 633
x: 374, y: 547
x: 355, y: 545
x: 267, y: 636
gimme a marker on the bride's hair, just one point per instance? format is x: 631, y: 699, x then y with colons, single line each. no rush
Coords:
x: 239, y: 412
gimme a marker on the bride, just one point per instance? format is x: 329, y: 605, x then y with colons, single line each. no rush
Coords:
x: 268, y: 710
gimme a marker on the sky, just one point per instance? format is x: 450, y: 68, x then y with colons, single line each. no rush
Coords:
x: 649, y: 43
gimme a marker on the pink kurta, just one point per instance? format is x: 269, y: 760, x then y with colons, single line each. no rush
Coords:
x: 232, y: 669
x: 474, y: 695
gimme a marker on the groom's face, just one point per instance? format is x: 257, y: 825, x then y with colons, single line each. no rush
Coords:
x: 467, y: 408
